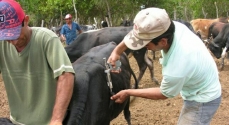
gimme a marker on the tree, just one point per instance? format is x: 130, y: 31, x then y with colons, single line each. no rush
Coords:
x: 84, y: 11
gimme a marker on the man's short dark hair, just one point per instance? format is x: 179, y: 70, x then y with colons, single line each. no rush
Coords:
x: 168, y: 34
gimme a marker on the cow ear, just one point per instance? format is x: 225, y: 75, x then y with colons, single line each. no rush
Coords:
x: 214, y: 44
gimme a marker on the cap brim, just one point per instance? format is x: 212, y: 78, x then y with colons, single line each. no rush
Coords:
x: 10, y: 33
x: 133, y: 42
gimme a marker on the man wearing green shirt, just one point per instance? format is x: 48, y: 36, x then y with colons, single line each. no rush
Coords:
x: 36, y: 70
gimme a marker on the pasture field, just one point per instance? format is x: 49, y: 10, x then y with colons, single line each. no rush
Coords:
x: 151, y: 112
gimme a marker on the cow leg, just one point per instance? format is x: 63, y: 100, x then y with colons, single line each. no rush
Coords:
x: 222, y: 58
x: 154, y: 55
x: 127, y: 112
x: 222, y: 64
x: 149, y: 63
x: 143, y: 62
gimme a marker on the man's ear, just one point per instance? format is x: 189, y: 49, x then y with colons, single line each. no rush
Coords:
x: 164, y: 41
x: 26, y: 20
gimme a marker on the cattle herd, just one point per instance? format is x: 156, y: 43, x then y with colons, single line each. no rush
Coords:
x: 91, y: 104
x: 214, y: 32
x: 91, y: 95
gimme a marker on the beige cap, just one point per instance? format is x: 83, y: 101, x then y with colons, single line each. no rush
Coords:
x: 148, y: 24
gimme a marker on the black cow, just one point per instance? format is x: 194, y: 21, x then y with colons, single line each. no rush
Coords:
x: 86, y: 28
x: 104, y: 24
x: 214, y: 29
x: 91, y: 103
x: 127, y: 23
x: 220, y: 45
x: 87, y: 40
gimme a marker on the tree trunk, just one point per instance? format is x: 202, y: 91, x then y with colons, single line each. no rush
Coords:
x: 108, y: 23
x: 174, y: 14
x: 205, y: 14
x: 42, y: 23
x: 109, y: 14
x: 76, y: 19
x: 96, y: 24
x: 217, y: 15
x: 61, y: 19
x: 185, y: 13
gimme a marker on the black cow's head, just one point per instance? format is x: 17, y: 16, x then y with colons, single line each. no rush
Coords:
x: 215, y: 48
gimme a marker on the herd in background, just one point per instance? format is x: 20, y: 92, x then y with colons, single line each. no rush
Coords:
x: 93, y: 27
x: 209, y: 30
x: 214, y: 33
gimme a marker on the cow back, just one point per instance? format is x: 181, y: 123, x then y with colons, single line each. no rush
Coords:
x: 87, y: 40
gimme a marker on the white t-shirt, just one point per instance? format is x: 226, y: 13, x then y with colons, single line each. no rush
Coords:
x: 189, y: 69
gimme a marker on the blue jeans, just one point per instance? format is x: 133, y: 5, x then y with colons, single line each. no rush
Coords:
x: 197, y: 113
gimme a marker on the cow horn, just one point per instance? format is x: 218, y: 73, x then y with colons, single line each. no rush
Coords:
x: 214, y: 44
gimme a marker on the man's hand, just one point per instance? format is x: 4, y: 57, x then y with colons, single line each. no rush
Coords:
x: 120, y: 97
x: 115, y: 55
x: 112, y: 59
x: 63, y: 38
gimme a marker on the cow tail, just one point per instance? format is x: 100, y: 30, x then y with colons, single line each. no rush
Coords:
x: 131, y: 71
x: 127, y: 112
x: 135, y: 78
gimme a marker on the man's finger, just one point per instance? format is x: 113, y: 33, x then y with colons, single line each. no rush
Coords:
x: 113, y: 97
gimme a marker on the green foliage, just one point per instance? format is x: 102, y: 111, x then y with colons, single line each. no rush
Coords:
x: 48, y: 10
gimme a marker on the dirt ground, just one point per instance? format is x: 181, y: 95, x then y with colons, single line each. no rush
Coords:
x: 150, y: 112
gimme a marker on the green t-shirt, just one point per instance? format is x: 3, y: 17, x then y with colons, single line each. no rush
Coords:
x: 30, y: 76
x: 189, y: 69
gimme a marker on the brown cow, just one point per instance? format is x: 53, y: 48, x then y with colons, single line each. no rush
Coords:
x: 202, y: 25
